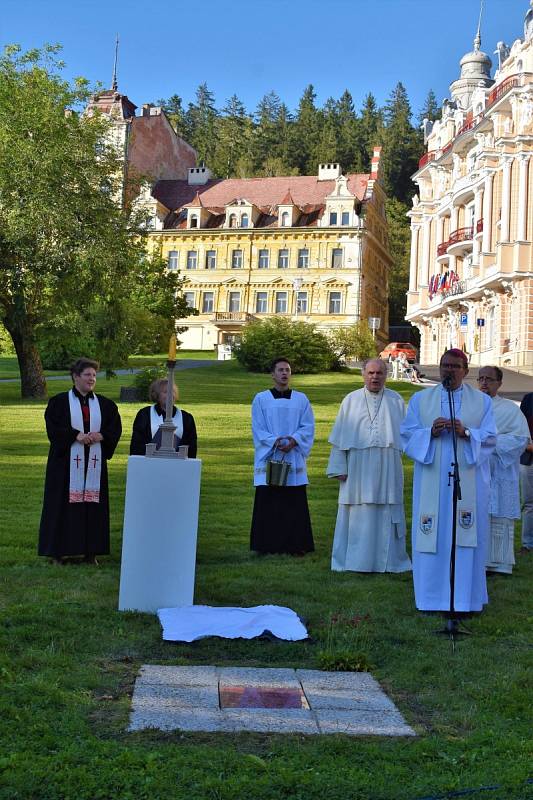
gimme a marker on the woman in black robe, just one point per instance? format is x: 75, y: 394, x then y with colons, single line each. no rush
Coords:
x: 76, y: 528
x: 142, y: 426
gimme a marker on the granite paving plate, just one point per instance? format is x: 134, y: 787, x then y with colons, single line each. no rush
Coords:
x: 230, y: 699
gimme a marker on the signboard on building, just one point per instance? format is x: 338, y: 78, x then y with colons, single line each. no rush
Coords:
x: 480, y: 322
x: 464, y: 321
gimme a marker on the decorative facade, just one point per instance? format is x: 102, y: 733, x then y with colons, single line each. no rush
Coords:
x: 309, y: 248
x: 471, y: 271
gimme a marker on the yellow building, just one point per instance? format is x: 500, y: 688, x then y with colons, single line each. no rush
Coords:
x: 310, y: 248
x: 471, y: 273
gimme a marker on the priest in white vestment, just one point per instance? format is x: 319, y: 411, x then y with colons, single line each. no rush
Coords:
x: 426, y: 436
x: 513, y: 436
x: 366, y: 459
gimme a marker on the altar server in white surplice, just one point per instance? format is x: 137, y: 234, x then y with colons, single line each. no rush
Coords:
x: 283, y: 426
x: 426, y: 436
x: 366, y: 459
x: 513, y: 436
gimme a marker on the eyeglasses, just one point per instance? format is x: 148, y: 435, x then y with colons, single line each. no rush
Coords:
x: 486, y: 378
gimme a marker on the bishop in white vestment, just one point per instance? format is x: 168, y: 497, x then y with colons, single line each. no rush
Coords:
x: 513, y: 436
x: 366, y: 459
x: 426, y: 436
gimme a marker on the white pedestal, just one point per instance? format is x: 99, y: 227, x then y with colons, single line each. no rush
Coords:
x: 160, y: 529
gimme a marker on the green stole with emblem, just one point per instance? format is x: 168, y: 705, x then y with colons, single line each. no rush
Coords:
x: 472, y: 412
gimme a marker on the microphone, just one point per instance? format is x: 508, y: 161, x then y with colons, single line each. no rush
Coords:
x: 447, y: 382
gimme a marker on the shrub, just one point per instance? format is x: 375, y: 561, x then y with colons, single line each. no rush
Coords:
x: 307, y: 349
x: 144, y: 378
x: 356, y: 342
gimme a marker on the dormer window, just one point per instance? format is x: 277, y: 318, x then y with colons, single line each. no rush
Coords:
x: 244, y: 221
x: 285, y: 219
x: 233, y: 220
x: 194, y: 221
x: 332, y: 217
x: 345, y: 218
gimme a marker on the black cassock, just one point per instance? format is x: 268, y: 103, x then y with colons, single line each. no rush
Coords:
x: 142, y: 432
x: 72, y: 529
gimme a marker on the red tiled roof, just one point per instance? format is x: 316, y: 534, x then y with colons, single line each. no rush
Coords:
x: 196, y: 203
x: 265, y: 193
x: 287, y: 200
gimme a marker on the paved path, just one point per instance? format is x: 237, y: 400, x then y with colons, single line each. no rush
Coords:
x: 227, y: 699
x: 184, y: 363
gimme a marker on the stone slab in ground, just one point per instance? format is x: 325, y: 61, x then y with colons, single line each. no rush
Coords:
x: 196, y: 699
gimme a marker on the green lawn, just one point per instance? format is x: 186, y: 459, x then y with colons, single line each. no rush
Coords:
x: 68, y: 658
x: 9, y: 365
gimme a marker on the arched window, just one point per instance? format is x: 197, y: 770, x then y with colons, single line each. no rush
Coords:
x: 233, y: 220
x: 194, y: 221
x: 244, y: 221
x: 285, y: 219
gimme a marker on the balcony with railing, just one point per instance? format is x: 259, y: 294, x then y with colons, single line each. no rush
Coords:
x: 232, y: 317
x: 460, y: 240
x: 499, y: 91
x: 426, y: 158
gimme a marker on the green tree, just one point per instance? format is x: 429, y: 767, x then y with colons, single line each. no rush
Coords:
x: 233, y: 133
x: 201, y: 122
x: 430, y: 110
x: 402, y: 146
x: 305, y: 134
x: 400, y: 245
x: 349, y: 133
x: 307, y: 349
x: 328, y: 142
x: 370, y: 130
x: 65, y: 242
x: 354, y: 342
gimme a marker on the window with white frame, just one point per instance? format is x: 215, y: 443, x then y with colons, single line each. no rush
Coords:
x: 189, y: 299
x: 244, y: 221
x: 192, y: 259
x: 173, y: 259
x: 236, y: 259
x: 334, y: 305
x: 210, y: 259
x: 261, y: 301
x: 208, y: 301
x: 332, y: 217
x: 281, y: 302
x: 301, y: 302
x: 345, y: 218
x: 303, y: 257
x: 283, y: 258
x: 193, y: 221
x: 234, y: 301
x: 233, y: 220
x: 263, y: 260
x: 336, y: 257
x: 285, y: 219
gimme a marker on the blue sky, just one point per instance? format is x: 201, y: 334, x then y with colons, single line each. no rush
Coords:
x: 249, y: 48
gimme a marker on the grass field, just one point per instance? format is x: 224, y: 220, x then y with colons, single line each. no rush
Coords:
x: 68, y: 658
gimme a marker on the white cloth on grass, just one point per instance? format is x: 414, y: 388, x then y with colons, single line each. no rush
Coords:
x: 189, y: 623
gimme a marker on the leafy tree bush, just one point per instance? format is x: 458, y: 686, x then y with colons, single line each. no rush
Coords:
x: 307, y: 349
x: 144, y: 378
x: 354, y: 342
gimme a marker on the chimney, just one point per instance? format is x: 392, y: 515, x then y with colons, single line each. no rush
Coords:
x: 198, y: 176
x: 374, y: 164
x: 328, y: 172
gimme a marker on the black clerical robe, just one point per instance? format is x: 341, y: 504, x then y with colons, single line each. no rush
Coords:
x: 142, y: 432
x: 72, y: 529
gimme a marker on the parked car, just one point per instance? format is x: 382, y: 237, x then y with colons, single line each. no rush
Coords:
x: 395, y: 348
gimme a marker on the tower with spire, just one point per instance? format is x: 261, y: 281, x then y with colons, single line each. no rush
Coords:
x: 475, y: 71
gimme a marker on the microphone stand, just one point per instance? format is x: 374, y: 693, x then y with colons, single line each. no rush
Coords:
x: 452, y: 628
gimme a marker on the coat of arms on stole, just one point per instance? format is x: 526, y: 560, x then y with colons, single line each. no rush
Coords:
x: 466, y: 519
x: 426, y: 523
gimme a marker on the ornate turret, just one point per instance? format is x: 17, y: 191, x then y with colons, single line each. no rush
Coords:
x: 528, y: 23
x: 475, y: 72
